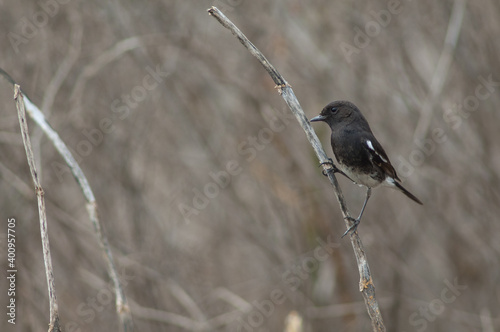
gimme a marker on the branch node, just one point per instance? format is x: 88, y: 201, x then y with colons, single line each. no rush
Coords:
x: 280, y: 87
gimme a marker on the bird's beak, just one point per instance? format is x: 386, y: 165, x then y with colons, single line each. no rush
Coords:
x: 318, y: 118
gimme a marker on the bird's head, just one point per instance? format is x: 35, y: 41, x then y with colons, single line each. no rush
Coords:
x: 337, y: 112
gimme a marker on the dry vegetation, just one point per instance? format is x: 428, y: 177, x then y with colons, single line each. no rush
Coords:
x: 152, y: 145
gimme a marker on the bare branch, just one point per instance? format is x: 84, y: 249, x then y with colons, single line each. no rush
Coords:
x: 366, y: 285
x: 36, y: 114
x: 54, y: 314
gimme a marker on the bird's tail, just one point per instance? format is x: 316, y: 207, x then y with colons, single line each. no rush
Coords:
x: 407, y: 193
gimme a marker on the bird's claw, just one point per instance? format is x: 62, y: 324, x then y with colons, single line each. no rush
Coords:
x: 353, y: 227
x: 329, y: 162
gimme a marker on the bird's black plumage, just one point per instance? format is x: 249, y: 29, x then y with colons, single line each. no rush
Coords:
x: 359, y: 155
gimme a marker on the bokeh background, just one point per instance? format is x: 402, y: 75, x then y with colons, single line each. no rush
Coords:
x: 211, y: 196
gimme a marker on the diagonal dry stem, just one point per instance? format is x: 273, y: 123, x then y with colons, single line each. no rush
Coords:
x: 366, y: 286
x: 49, y: 271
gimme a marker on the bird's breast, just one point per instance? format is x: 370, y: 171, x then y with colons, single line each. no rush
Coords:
x: 360, y: 177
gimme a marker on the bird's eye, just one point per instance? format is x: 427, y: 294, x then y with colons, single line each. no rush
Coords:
x: 334, y: 110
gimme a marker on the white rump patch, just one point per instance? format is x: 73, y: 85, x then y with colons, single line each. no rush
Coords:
x: 390, y: 181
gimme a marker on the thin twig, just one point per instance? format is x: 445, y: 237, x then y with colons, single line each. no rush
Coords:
x: 168, y: 318
x: 63, y: 69
x: 486, y: 320
x: 366, y: 285
x: 339, y: 310
x: 183, y: 322
x: 64, y: 66
x: 442, y: 68
x: 13, y: 179
x: 54, y: 314
x: 36, y: 114
x: 101, y: 61
x: 235, y: 300
x: 186, y: 301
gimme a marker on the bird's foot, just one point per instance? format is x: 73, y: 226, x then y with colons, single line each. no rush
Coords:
x: 353, y: 227
x: 329, y: 162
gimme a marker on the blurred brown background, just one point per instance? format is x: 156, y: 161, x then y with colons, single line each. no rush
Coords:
x: 210, y: 194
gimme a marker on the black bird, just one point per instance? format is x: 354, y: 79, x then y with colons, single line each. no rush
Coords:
x: 360, y: 156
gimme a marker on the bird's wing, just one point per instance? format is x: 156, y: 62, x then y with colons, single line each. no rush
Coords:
x: 379, y: 157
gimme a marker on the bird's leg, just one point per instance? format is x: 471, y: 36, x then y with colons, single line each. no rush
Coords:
x: 334, y: 169
x: 356, y: 222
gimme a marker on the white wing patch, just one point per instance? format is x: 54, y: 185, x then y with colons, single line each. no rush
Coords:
x: 370, y: 146
x: 369, y: 143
